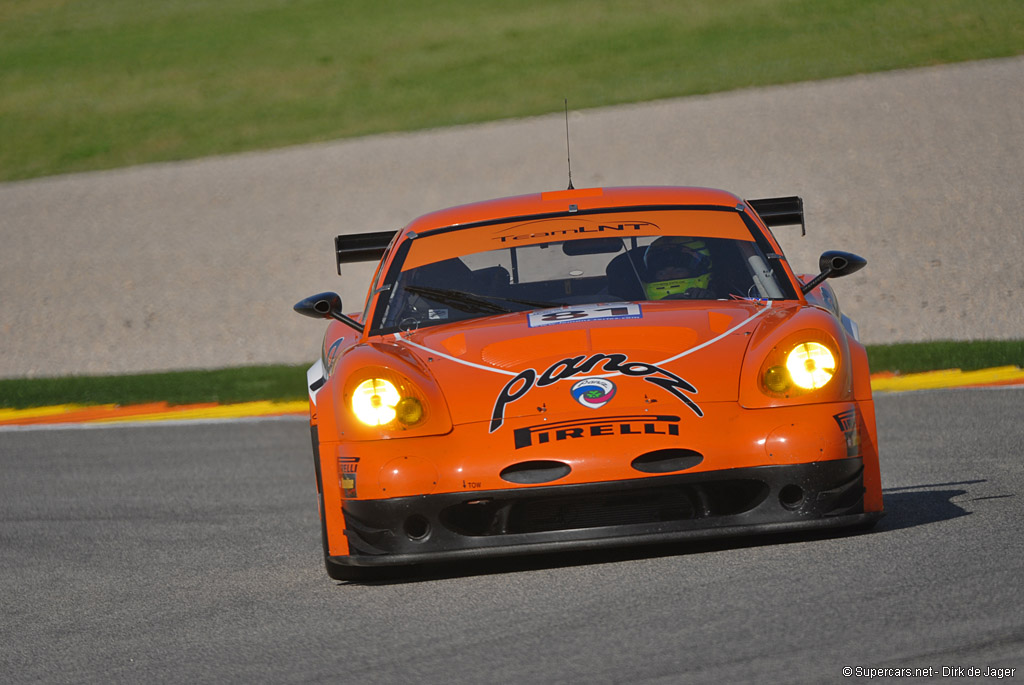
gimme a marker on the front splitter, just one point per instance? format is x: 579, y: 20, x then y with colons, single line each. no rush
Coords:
x: 750, y: 501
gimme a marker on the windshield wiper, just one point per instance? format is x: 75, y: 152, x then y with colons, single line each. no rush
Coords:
x: 475, y: 302
x: 529, y: 303
x: 458, y: 299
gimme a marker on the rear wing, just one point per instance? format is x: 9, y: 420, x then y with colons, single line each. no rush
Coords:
x: 781, y: 211
x: 361, y: 247
x: 370, y: 247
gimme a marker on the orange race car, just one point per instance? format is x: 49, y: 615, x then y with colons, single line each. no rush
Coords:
x: 586, y: 368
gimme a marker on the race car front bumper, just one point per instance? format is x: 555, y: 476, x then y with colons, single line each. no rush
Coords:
x: 528, y: 520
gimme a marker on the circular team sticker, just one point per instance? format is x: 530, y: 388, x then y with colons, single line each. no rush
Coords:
x: 593, y: 392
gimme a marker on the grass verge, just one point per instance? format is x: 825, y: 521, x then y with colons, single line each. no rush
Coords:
x: 967, y: 356
x: 288, y: 382
x: 224, y: 386
x: 109, y: 83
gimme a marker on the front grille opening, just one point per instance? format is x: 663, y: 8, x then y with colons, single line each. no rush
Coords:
x: 731, y: 497
x: 539, y: 513
x: 565, y: 513
x: 478, y: 517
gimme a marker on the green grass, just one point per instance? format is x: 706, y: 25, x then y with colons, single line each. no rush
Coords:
x: 288, y: 382
x: 92, y: 84
x: 967, y: 356
x: 182, y: 387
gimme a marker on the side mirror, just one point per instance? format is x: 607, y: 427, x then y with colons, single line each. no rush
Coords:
x: 326, y: 306
x: 320, y: 306
x: 833, y: 264
x: 840, y: 263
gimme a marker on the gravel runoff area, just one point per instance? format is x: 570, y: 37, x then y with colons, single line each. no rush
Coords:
x: 197, y: 264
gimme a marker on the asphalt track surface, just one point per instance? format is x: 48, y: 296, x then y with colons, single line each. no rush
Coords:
x: 191, y: 554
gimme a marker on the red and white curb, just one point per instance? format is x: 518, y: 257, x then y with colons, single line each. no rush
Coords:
x: 74, y: 414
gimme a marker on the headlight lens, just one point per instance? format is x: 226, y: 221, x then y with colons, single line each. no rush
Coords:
x: 776, y: 378
x: 378, y: 402
x: 409, y: 411
x: 374, y: 401
x: 800, y: 364
x: 811, y: 365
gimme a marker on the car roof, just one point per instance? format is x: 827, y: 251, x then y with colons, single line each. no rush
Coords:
x: 561, y: 201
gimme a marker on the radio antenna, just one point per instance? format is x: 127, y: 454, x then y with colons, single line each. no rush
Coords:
x: 568, y: 156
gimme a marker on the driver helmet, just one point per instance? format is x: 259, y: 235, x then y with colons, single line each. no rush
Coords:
x: 675, y: 264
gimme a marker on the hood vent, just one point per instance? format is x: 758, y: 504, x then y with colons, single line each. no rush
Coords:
x: 667, y: 461
x: 535, y: 472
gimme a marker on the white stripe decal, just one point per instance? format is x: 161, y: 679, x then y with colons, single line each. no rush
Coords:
x: 315, y: 374
x: 698, y: 347
x: 716, y: 338
x: 399, y: 338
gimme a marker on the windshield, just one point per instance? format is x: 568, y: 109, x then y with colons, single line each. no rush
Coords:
x: 465, y: 273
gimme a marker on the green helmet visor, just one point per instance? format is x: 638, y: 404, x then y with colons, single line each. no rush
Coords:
x: 662, y: 289
x: 676, y: 264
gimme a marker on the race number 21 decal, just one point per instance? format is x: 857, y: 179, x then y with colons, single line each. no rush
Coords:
x: 585, y: 312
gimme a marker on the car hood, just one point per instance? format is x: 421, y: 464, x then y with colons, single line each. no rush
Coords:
x: 669, y: 357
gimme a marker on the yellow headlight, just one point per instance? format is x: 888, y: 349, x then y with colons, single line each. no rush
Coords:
x: 409, y: 411
x: 378, y: 402
x: 374, y: 401
x: 811, y: 365
x: 776, y: 379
